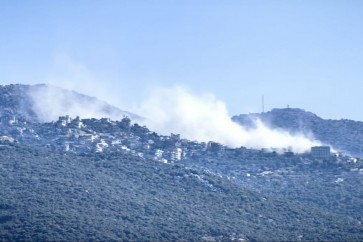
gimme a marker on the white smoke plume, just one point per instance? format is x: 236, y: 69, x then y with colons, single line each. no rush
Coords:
x: 170, y: 110
x: 204, y: 118
x: 50, y: 102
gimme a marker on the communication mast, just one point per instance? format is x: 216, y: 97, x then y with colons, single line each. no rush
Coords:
x: 263, y: 103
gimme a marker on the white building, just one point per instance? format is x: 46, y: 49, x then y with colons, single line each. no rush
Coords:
x: 320, y: 151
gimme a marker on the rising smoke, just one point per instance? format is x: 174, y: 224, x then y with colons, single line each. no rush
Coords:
x: 170, y: 110
x: 204, y: 118
x: 50, y: 102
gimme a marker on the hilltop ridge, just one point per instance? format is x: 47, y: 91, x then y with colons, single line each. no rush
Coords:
x: 44, y: 103
x: 344, y: 135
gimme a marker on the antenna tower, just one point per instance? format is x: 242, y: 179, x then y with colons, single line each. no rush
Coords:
x: 263, y: 103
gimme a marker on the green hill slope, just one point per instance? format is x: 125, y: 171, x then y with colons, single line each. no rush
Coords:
x: 51, y: 196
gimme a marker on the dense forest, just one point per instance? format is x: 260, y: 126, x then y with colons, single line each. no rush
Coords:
x: 61, y: 196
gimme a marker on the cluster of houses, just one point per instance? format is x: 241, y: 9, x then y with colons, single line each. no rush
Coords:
x: 104, y: 135
x: 250, y: 166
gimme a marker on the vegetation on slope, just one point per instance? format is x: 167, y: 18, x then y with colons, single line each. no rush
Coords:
x: 54, y: 196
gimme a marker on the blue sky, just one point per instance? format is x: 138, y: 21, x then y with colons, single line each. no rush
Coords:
x: 306, y: 54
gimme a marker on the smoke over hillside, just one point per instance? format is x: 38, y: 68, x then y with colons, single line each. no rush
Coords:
x: 50, y: 102
x: 170, y: 110
x: 205, y: 118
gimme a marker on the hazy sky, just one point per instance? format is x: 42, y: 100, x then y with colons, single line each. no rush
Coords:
x: 306, y: 54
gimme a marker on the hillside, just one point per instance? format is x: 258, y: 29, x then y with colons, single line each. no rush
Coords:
x: 344, y: 135
x: 76, y: 178
x: 51, y: 196
x: 42, y: 102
